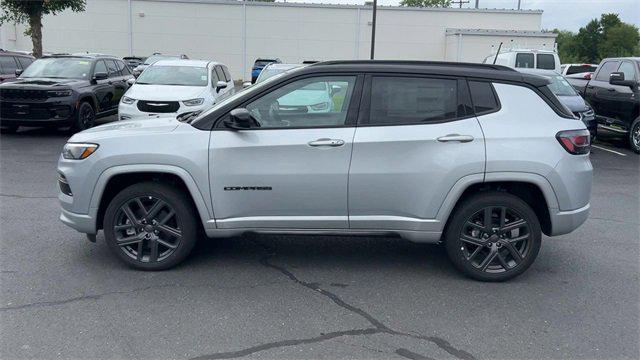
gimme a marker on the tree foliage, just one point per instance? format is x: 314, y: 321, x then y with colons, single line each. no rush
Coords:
x: 31, y: 12
x: 426, y: 3
x: 600, y: 38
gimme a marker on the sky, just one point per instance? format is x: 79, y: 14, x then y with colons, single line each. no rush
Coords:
x: 562, y: 14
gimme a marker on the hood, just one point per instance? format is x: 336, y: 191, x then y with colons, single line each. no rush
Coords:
x: 304, y: 97
x: 574, y: 103
x: 165, y: 92
x: 44, y: 83
x: 127, y: 128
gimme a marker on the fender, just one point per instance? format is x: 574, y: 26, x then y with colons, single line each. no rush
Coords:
x: 203, y: 208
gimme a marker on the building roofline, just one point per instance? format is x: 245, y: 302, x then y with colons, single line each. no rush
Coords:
x: 341, y: 6
x: 496, y: 32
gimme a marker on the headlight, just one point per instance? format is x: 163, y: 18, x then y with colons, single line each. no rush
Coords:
x: 193, y: 102
x: 320, y: 106
x: 127, y: 100
x: 59, y: 93
x: 78, y: 151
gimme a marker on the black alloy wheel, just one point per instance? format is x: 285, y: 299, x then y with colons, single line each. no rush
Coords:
x: 150, y: 226
x: 86, y: 117
x: 634, y: 136
x: 493, y: 237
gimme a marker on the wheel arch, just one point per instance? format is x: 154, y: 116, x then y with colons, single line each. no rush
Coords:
x: 534, y: 189
x: 113, y: 180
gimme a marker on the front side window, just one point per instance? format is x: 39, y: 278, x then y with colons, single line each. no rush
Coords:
x: 220, y: 74
x: 407, y: 100
x: 113, y: 70
x: 311, y: 102
x: 174, y: 75
x: 546, y: 61
x: 8, y: 65
x: 100, y: 67
x: 606, y: 69
x: 524, y: 60
x: 63, y: 68
x: 628, y: 69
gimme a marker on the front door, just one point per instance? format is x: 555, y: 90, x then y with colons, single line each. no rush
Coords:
x: 292, y: 170
x: 103, y: 89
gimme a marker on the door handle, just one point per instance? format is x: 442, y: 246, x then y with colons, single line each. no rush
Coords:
x: 455, y: 137
x: 327, y: 142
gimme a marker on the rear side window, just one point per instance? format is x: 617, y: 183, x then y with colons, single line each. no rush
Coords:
x: 8, y: 65
x: 483, y: 97
x: 546, y: 61
x: 407, y: 100
x: 524, y: 60
x: 577, y: 69
x: 606, y: 69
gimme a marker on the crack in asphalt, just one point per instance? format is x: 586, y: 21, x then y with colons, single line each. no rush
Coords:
x: 15, y: 196
x: 379, y: 327
x: 101, y: 295
x: 411, y: 355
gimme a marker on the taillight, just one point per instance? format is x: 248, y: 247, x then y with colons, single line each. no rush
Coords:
x: 576, y: 142
x: 587, y: 76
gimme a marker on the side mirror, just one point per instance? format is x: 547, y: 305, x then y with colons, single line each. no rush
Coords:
x: 240, y: 119
x: 132, y: 81
x: 246, y: 84
x: 335, y: 89
x: 100, y: 76
x: 18, y: 72
x: 220, y: 85
x: 617, y: 78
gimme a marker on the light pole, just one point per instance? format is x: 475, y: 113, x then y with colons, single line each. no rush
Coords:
x: 373, y: 29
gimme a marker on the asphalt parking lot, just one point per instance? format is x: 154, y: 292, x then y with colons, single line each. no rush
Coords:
x: 275, y: 297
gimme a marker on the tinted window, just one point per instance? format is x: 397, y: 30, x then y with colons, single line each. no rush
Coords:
x: 24, y: 61
x: 220, y: 74
x: 546, y: 61
x: 606, y: 69
x: 577, y: 69
x: 524, y: 60
x: 113, y: 69
x: 405, y: 100
x: 628, y: 69
x: 311, y: 102
x: 560, y: 86
x: 483, y: 97
x: 8, y: 65
x: 124, y: 67
x: 227, y: 74
x: 100, y: 67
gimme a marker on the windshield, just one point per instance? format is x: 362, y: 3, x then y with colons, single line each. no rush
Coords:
x: 174, y: 75
x: 153, y: 58
x: 64, y: 68
x: 561, y: 87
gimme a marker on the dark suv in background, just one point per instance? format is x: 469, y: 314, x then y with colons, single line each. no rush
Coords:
x: 10, y: 62
x: 614, y: 94
x: 64, y: 91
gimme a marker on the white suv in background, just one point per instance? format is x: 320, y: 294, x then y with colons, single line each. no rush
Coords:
x: 175, y: 87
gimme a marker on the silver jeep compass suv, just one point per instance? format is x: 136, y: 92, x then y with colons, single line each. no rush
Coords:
x: 479, y: 157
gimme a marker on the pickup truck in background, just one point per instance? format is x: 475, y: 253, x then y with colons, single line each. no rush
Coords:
x: 579, y: 81
x: 613, y: 92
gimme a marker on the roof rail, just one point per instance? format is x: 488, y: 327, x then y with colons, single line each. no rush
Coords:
x: 415, y: 63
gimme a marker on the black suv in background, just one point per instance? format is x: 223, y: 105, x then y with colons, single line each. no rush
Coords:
x: 614, y: 94
x: 10, y: 62
x: 64, y: 91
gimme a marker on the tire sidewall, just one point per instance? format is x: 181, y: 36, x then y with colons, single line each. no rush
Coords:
x: 470, y: 207
x: 79, y: 125
x: 633, y: 127
x: 181, y: 205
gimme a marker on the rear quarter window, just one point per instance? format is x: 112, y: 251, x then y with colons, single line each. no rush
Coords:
x: 483, y: 97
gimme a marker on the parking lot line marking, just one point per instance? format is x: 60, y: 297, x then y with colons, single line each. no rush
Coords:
x: 609, y: 150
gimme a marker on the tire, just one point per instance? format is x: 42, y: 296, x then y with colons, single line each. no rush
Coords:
x: 634, y: 136
x: 9, y: 129
x: 470, y: 243
x: 134, y: 245
x: 85, y: 117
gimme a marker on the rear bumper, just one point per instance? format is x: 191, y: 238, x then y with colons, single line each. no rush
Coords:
x: 564, y: 222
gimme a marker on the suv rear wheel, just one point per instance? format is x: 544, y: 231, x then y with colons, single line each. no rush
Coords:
x: 634, y: 136
x: 493, y: 236
x: 150, y: 226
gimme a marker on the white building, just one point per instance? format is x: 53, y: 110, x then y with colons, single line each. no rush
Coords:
x: 236, y: 32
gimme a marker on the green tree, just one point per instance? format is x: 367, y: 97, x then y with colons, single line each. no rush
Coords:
x: 587, y: 41
x: 567, y: 46
x: 620, y: 40
x: 31, y: 12
x: 426, y: 3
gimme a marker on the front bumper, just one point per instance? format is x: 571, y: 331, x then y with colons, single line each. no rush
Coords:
x: 564, y: 222
x: 37, y: 113
x: 131, y: 111
x: 84, y: 223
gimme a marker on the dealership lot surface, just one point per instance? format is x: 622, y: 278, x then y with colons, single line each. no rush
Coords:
x: 312, y: 297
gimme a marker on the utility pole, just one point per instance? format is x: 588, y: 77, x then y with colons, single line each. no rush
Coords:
x: 460, y: 2
x: 477, y: 4
x: 373, y: 29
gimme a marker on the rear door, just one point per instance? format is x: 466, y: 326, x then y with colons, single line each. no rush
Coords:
x: 118, y: 80
x: 416, y: 137
x: 292, y: 170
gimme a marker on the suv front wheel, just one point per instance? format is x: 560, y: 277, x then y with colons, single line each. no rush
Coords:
x: 493, y: 236
x: 150, y: 226
x: 634, y: 136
